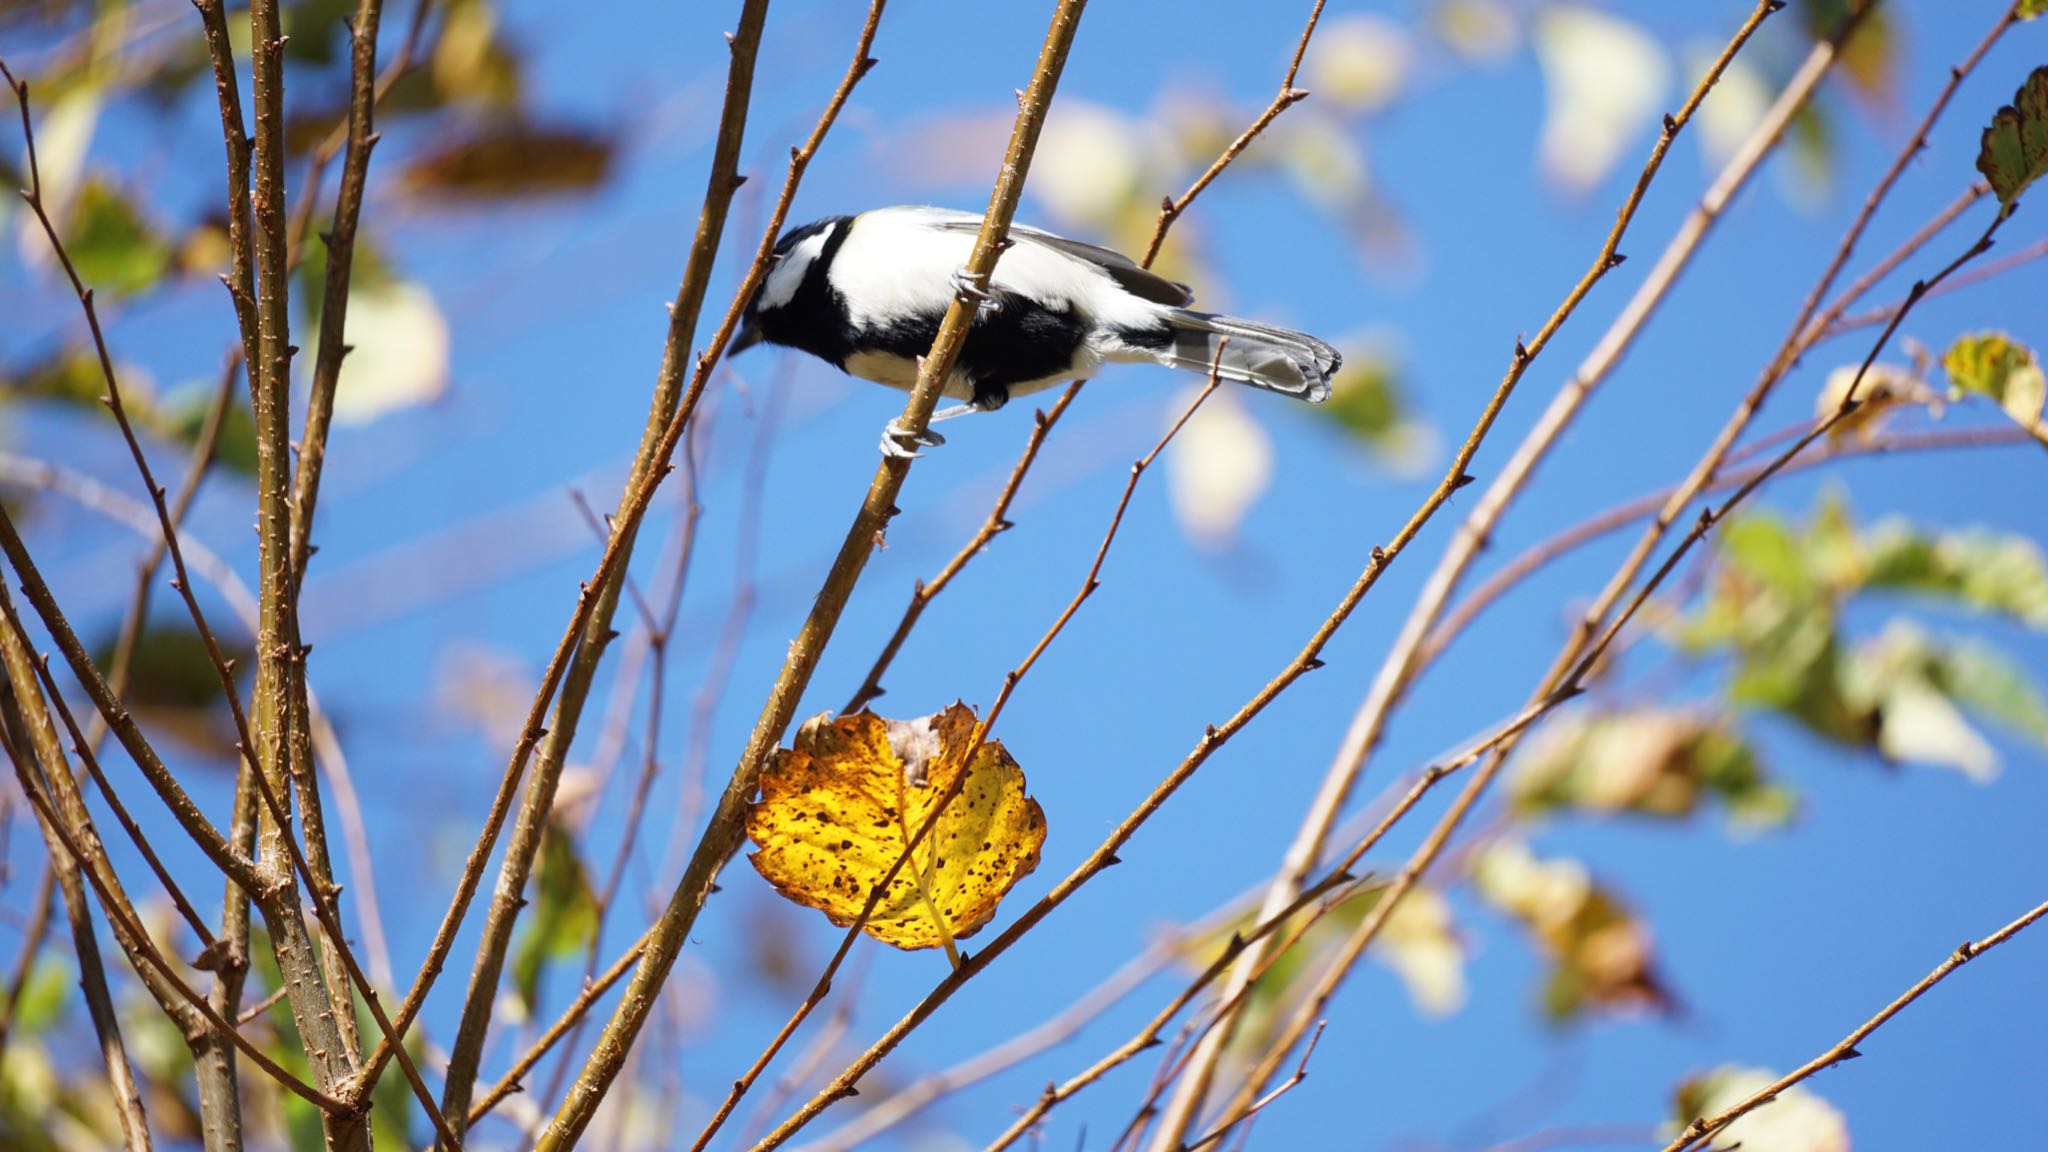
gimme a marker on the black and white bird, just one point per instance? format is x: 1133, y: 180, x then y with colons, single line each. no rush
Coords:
x: 867, y: 293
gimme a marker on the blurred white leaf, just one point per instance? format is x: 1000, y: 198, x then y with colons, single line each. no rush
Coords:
x: 1605, y: 78
x: 1480, y: 30
x: 1797, y: 1121
x: 1325, y: 161
x: 1217, y: 467
x: 1420, y: 944
x: 64, y: 129
x: 1091, y: 160
x: 400, y: 357
x: 1922, y: 724
x: 1738, y: 103
x: 1360, y: 61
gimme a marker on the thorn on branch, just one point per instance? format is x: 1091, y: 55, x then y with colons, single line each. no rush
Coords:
x: 1109, y: 861
x: 1615, y: 261
x: 1379, y: 556
x: 1966, y: 951
x: 1521, y: 352
x: 1670, y: 125
x: 1774, y: 7
x: 1464, y: 478
x: 867, y: 65
x: 1292, y: 96
x: 1848, y: 1054
x: 1315, y: 663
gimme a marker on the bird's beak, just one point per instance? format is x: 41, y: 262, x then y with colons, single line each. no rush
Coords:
x: 748, y: 336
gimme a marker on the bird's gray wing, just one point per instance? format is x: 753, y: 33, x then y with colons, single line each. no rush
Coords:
x: 1125, y: 271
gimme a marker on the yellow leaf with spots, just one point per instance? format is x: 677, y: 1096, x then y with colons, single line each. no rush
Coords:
x: 837, y: 811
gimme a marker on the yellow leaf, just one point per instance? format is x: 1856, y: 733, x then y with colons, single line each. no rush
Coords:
x: 837, y: 811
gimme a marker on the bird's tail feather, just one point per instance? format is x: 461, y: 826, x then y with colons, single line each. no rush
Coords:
x: 1275, y: 359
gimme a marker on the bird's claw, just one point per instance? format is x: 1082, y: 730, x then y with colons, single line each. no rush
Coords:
x: 901, y: 443
x: 973, y: 288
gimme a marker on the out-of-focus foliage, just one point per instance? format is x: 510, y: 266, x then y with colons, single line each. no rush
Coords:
x: 1796, y: 1121
x: 1776, y: 608
x: 563, y: 917
x: 1419, y: 942
x: 1605, y: 80
x: 1995, y: 365
x: 174, y: 685
x: 1601, y: 955
x: 1880, y: 392
x: 1651, y: 762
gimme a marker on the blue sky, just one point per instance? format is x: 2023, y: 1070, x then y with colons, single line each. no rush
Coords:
x: 1775, y: 945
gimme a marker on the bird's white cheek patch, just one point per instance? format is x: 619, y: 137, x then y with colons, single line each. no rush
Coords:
x: 788, y: 273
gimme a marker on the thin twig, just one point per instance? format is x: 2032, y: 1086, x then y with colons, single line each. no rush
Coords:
x: 997, y: 521
x: 975, y: 739
x: 1364, y: 730
x: 1566, y: 677
x: 33, y: 747
x: 1300, y: 1074
x: 668, y: 420
x: 1705, y: 1127
x: 1511, y: 575
x: 593, y: 990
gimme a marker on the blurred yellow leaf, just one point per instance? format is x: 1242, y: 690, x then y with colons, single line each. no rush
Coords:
x: 838, y: 810
x: 1482, y: 30
x: 1604, y: 79
x: 1882, y: 390
x: 1601, y: 952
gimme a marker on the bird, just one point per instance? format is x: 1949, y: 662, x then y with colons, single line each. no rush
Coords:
x: 867, y: 292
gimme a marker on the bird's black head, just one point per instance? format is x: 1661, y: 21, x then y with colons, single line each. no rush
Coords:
x: 794, y: 304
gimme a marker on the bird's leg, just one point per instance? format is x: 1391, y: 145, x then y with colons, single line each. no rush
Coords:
x: 956, y: 410
x: 973, y: 288
x: 902, y: 443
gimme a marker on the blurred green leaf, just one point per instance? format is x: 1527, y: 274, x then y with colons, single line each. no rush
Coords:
x: 46, y: 996
x: 174, y: 684
x: 182, y: 416
x: 1365, y: 397
x: 1776, y: 602
x: 513, y: 159
x: 471, y: 62
x: 68, y: 376
x: 113, y: 247
x: 1871, y: 56
x: 2014, y: 149
x: 1995, y: 365
x: 368, y: 271
x: 564, y: 914
x: 1651, y: 762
